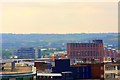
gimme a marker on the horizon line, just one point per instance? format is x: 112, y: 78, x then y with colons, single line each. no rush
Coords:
x: 62, y: 33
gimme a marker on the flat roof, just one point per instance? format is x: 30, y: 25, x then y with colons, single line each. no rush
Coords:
x: 66, y: 72
x: 6, y: 60
x: 17, y: 74
x: 49, y: 74
x: 43, y: 61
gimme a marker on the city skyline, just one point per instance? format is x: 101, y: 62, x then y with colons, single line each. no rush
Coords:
x: 60, y: 17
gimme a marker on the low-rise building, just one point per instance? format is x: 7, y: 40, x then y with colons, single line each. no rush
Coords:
x: 43, y: 66
x: 112, y: 71
x: 17, y: 71
x: 72, y: 72
x: 99, y: 71
x: 28, y: 53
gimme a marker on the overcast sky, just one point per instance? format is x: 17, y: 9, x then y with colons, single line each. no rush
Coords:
x: 59, y: 17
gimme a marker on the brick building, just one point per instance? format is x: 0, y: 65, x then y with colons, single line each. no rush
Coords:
x: 109, y: 54
x: 42, y: 66
x: 86, y: 51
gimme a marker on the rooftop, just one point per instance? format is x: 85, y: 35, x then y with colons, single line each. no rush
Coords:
x: 49, y: 74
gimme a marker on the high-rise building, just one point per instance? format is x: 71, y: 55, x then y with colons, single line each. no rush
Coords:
x: 28, y: 53
x: 86, y: 51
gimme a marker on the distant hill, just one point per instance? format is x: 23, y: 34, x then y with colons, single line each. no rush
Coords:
x: 54, y: 40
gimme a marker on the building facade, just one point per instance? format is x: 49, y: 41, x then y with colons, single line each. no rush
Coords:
x: 93, y: 71
x: 42, y: 66
x: 110, y: 54
x: 112, y: 71
x: 28, y: 53
x: 71, y: 72
x: 86, y: 51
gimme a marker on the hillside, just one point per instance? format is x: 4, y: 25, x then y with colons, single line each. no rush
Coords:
x: 53, y: 40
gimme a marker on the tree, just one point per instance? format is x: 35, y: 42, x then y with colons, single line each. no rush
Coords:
x: 5, y: 54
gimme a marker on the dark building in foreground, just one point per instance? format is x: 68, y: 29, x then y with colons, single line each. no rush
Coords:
x: 28, y: 53
x: 71, y: 72
x: 87, y: 71
x: 86, y: 51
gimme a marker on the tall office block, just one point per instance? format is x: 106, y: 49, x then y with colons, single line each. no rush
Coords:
x: 86, y: 51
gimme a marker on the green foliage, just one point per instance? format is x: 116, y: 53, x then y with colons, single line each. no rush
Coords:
x: 5, y: 53
x: 47, y: 52
x: 17, y: 41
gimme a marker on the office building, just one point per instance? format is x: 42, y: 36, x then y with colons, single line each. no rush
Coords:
x: 86, y: 52
x: 28, y: 53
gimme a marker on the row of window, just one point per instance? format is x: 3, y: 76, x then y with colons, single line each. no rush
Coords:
x: 87, y: 52
x: 112, y: 67
x: 110, y: 75
x: 83, y: 45
x: 107, y: 55
x: 84, y: 48
x: 84, y: 54
x: 25, y: 50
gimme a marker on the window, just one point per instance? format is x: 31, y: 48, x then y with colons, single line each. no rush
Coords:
x: 102, y: 76
x: 102, y: 68
x: 112, y: 75
x: 83, y: 69
x: 88, y: 54
x: 93, y: 45
x: 118, y: 67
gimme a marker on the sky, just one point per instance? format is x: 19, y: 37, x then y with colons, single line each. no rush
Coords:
x: 58, y: 17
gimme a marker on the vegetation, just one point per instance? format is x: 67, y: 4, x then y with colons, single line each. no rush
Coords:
x: 16, y: 41
x: 5, y: 54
